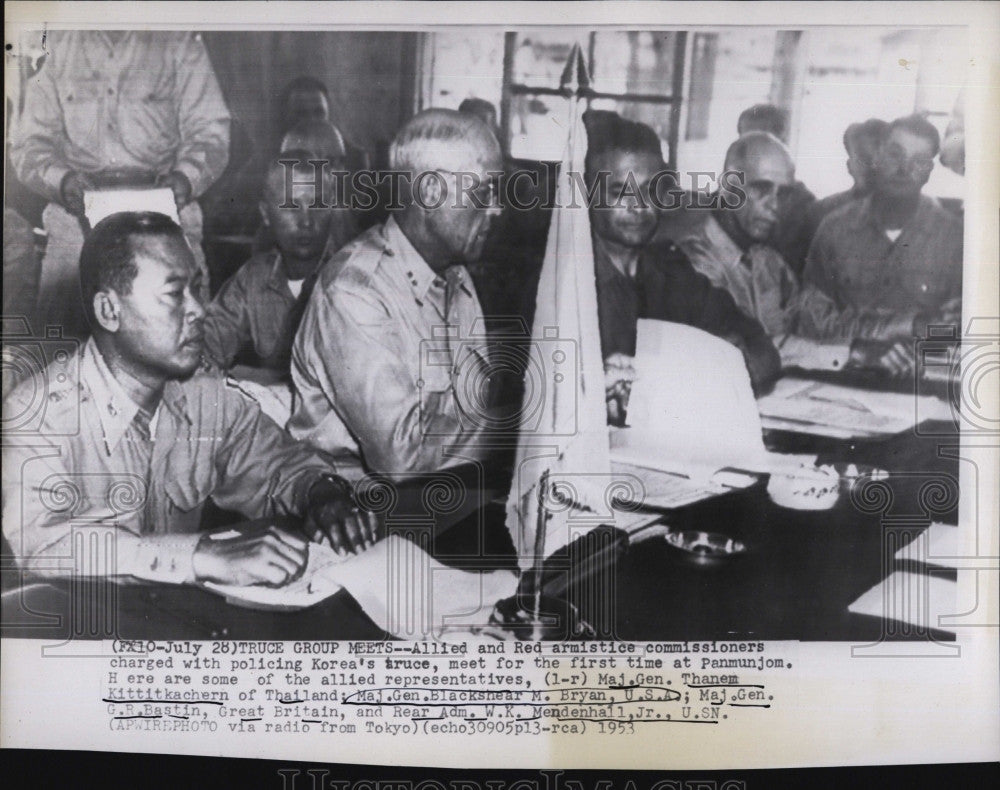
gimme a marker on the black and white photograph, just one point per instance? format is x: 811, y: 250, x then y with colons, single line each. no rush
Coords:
x: 499, y: 375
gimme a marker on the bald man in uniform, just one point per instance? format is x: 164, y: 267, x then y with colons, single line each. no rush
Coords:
x: 732, y: 249
x: 393, y: 333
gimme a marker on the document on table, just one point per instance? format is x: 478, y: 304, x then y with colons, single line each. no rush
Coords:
x: 657, y: 489
x: 314, y: 585
x: 691, y: 411
x: 400, y: 586
x: 411, y: 595
x: 101, y: 203
x: 839, y: 411
x: 916, y: 598
x: 938, y: 545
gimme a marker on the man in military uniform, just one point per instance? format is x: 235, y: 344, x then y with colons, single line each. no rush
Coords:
x: 640, y: 278
x: 122, y: 108
x: 391, y: 363
x: 136, y: 433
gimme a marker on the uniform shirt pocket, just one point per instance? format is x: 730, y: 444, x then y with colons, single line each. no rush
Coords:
x: 147, y: 116
x: 81, y: 102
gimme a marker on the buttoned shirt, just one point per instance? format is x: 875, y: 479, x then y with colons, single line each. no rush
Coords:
x: 764, y: 288
x: 89, y: 471
x: 390, y: 363
x: 853, y: 260
x: 665, y: 287
x: 256, y: 310
x: 149, y: 102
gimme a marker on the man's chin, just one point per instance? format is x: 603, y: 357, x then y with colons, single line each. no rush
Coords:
x: 184, y: 366
x: 638, y: 237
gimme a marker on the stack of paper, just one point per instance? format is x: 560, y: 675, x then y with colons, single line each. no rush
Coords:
x: 692, y: 410
x: 843, y: 412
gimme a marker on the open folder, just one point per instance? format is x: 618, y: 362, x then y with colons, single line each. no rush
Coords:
x: 693, y: 427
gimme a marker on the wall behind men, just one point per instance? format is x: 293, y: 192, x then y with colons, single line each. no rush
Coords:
x: 370, y: 77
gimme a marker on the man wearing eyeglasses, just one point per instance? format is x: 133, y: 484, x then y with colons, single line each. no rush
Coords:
x: 390, y: 364
x: 896, y: 250
x: 731, y: 249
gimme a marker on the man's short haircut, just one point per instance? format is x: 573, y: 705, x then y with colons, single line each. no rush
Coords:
x: 107, y: 260
x: 918, y: 125
x: 274, y: 173
x: 763, y: 118
x: 303, y: 84
x: 477, y: 107
x: 608, y: 131
x: 749, y: 144
x: 427, y: 139
x: 863, y: 139
x: 321, y: 138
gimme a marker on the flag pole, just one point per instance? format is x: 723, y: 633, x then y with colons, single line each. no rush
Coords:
x: 541, y: 523
x: 573, y: 83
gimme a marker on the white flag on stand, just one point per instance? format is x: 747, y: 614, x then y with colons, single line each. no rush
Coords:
x: 564, y: 427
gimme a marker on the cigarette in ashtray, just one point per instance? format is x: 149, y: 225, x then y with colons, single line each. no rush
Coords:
x: 852, y: 473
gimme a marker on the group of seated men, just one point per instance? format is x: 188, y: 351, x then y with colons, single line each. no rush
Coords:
x: 146, y: 404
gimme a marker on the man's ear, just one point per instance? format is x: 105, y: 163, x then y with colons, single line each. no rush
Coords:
x: 107, y: 310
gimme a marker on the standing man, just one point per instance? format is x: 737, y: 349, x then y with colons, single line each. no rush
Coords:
x: 116, y: 108
x: 305, y: 99
x: 138, y: 434
x: 897, y: 249
x: 390, y: 363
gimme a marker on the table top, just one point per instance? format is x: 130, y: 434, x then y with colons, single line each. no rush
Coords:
x: 800, y: 572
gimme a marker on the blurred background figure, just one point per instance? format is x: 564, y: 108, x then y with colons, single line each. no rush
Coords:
x: 308, y: 99
x: 318, y: 140
x: 861, y: 141
x: 485, y: 112
x: 896, y: 249
x: 116, y: 109
x: 764, y: 118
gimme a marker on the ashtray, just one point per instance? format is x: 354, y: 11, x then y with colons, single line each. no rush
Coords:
x: 705, y: 548
x: 806, y: 488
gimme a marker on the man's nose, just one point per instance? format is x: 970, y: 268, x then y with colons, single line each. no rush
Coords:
x: 195, y: 307
x: 637, y: 205
x: 771, y: 204
x: 304, y: 217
